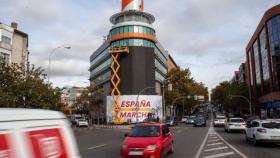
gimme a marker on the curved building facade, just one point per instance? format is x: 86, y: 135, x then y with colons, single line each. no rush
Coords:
x: 146, y: 65
x: 263, y: 64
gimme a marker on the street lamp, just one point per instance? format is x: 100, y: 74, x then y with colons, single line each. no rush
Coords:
x: 240, y: 96
x: 152, y: 87
x: 50, y: 59
x: 137, y: 107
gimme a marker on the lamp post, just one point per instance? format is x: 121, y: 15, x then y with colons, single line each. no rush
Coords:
x: 55, y: 49
x: 243, y: 97
x: 137, y: 107
x: 152, y: 87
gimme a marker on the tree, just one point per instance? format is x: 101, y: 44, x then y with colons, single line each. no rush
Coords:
x: 22, y: 87
x: 222, y: 95
x: 184, y: 85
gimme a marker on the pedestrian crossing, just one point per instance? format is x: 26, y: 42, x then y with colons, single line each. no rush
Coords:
x: 214, y: 146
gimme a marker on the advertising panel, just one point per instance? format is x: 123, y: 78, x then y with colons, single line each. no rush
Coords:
x: 130, y: 108
x: 5, y: 149
x: 47, y: 143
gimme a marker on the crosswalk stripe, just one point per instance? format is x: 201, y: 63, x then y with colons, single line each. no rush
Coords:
x: 214, y: 149
x: 214, y: 140
x: 213, y: 144
x: 219, y: 155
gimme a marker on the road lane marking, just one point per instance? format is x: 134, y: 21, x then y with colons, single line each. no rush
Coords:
x: 202, y: 145
x: 214, y: 140
x: 98, y: 146
x: 213, y: 144
x: 219, y: 155
x: 214, y: 149
x: 231, y: 146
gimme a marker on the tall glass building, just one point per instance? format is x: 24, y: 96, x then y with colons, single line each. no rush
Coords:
x: 146, y: 65
x: 263, y: 64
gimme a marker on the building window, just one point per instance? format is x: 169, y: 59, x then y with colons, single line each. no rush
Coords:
x: 99, y: 57
x: 132, y: 29
x: 251, y: 68
x: 160, y: 67
x: 159, y: 76
x: 4, y: 57
x: 257, y: 68
x: 265, y: 66
x: 101, y: 67
x: 101, y: 78
x: 133, y: 42
x: 273, y: 26
x: 6, y: 40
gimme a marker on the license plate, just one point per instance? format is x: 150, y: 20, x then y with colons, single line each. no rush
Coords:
x: 135, y: 153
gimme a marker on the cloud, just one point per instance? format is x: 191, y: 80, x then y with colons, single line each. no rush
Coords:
x: 210, y: 37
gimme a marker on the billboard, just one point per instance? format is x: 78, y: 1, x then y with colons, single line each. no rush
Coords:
x: 130, y: 108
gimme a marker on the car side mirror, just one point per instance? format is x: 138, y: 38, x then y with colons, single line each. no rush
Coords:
x: 126, y: 135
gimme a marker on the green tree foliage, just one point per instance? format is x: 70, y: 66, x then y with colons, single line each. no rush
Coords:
x: 25, y: 88
x: 221, y: 95
x: 184, y: 85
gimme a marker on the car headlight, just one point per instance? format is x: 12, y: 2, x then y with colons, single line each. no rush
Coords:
x: 151, y: 147
x: 124, y: 147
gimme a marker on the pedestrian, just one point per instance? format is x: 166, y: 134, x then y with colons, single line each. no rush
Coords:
x: 157, y: 119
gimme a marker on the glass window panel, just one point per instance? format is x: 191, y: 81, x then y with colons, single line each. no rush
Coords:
x: 125, y: 29
x: 121, y: 30
x: 100, y: 56
x: 140, y: 29
x: 101, y: 66
x: 135, y: 29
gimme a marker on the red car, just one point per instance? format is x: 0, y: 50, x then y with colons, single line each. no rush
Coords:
x: 147, y: 140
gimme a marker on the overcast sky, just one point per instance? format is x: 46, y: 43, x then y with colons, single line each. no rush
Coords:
x: 208, y: 36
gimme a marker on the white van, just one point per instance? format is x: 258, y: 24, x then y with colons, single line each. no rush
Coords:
x: 26, y: 133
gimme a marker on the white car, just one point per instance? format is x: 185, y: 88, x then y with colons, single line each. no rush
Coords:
x: 263, y: 131
x: 235, y: 124
x: 220, y: 120
x: 184, y: 119
x: 82, y: 123
x: 30, y: 133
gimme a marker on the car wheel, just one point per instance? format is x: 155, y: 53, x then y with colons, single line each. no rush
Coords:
x: 255, y: 142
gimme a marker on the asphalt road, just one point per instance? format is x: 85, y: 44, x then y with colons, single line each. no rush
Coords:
x: 189, y: 142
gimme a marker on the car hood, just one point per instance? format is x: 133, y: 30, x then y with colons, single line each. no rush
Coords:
x: 140, y: 142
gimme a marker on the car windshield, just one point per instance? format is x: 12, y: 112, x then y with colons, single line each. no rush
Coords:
x: 271, y: 125
x: 145, y: 131
x: 237, y: 120
x: 78, y: 118
x: 221, y: 117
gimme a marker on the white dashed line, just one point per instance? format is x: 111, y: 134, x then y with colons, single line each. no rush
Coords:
x: 98, y: 146
x: 213, y: 144
x: 219, y: 155
x: 215, y: 149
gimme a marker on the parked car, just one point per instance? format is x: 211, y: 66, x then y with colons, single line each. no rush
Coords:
x: 199, y: 121
x: 36, y: 133
x: 82, y: 123
x: 75, y: 118
x: 171, y: 121
x: 190, y: 120
x: 263, y: 131
x: 235, y: 124
x: 147, y: 140
x: 220, y: 120
x: 184, y: 119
